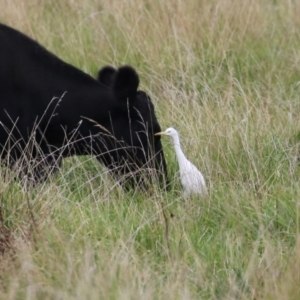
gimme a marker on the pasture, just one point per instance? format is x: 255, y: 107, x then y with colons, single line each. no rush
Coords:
x: 226, y: 75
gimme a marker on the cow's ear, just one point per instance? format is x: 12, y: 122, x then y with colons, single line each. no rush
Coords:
x: 126, y: 83
x: 106, y: 75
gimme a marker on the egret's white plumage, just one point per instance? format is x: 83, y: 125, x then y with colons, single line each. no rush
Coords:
x: 191, y: 178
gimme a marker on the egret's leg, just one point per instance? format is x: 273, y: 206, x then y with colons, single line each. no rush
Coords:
x: 185, y: 193
x: 186, y: 196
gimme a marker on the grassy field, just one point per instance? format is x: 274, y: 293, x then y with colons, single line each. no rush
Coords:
x: 226, y: 74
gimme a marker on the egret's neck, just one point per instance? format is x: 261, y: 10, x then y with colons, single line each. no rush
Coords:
x: 180, y: 156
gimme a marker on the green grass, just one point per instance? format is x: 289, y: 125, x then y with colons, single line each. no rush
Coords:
x: 224, y: 73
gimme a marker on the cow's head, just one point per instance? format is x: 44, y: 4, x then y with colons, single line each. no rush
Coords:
x: 133, y: 123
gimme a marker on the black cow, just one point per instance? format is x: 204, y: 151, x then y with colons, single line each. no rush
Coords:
x: 50, y: 110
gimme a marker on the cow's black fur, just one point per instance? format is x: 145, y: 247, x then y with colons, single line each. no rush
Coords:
x: 50, y: 110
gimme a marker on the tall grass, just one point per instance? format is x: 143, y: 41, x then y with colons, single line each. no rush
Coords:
x: 226, y: 74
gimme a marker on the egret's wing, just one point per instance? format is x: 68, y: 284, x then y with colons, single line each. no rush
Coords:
x: 192, y: 179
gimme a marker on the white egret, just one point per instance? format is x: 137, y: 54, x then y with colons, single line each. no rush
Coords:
x: 191, y: 178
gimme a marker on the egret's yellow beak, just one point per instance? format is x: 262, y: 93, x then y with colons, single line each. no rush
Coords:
x: 160, y: 133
